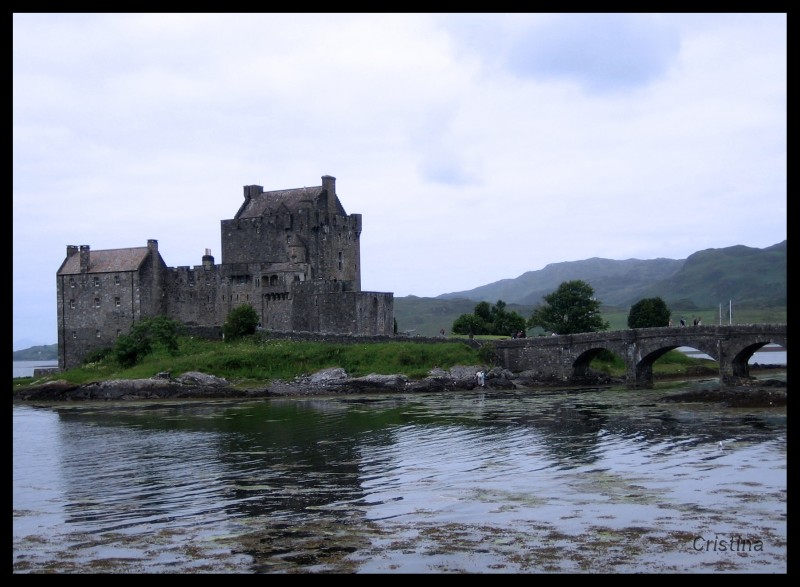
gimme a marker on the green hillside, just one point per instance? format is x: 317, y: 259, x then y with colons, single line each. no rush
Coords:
x: 752, y: 277
x: 706, y: 284
x: 48, y: 352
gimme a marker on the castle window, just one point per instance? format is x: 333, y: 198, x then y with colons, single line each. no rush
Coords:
x: 97, y: 281
x: 72, y: 282
x: 72, y: 304
x: 97, y: 333
x: 258, y: 281
x: 97, y: 302
x: 117, y: 302
x: 119, y: 332
x: 340, y: 260
x: 116, y: 280
x: 74, y: 334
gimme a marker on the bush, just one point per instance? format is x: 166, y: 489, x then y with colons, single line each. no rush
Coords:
x: 159, y: 331
x: 242, y: 321
x: 649, y: 313
x: 98, y: 355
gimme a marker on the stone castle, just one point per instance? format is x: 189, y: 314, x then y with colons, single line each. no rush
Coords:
x: 294, y: 255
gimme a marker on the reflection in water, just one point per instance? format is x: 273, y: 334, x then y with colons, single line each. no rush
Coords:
x: 556, y: 481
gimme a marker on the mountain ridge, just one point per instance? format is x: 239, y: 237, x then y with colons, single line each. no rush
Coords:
x: 703, y: 275
x: 708, y: 279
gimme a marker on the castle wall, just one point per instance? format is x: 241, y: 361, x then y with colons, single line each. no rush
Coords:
x: 299, y: 268
x: 93, y: 309
x: 192, y: 294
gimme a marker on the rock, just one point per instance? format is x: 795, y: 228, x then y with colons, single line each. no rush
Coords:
x: 334, y: 381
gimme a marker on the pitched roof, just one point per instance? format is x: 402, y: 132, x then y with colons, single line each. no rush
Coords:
x: 293, y: 199
x: 107, y: 261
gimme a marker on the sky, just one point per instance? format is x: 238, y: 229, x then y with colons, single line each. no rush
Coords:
x: 476, y: 147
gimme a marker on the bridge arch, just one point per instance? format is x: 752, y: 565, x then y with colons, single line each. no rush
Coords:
x: 566, y: 357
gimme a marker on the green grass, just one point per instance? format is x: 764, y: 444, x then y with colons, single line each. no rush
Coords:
x: 618, y: 319
x: 251, y: 363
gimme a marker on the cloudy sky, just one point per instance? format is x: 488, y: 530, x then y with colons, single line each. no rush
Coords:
x: 477, y: 147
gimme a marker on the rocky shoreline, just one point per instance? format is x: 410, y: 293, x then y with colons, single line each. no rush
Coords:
x: 335, y: 381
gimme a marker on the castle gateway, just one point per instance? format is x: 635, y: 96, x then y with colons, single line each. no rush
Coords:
x: 294, y: 255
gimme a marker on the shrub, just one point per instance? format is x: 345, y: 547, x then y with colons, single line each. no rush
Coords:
x: 242, y: 321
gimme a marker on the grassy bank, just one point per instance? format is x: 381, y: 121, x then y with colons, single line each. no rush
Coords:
x: 253, y: 363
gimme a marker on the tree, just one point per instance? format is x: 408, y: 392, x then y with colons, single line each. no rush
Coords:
x: 147, y: 333
x: 648, y: 313
x: 470, y: 324
x: 487, y: 319
x: 569, y: 310
x: 504, y: 321
x: 242, y: 321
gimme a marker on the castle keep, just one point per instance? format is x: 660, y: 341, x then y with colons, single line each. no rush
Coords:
x: 294, y: 255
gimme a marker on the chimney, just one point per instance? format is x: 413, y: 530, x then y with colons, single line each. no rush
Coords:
x: 252, y: 190
x: 208, y: 260
x: 71, y: 250
x: 329, y: 185
x: 84, y: 258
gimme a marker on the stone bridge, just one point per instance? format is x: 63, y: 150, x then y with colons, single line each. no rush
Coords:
x: 567, y: 357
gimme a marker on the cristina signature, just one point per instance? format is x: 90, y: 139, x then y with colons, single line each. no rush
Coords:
x: 734, y: 544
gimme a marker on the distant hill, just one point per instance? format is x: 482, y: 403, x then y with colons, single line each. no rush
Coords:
x: 47, y: 352
x: 753, y: 278
x: 614, y: 282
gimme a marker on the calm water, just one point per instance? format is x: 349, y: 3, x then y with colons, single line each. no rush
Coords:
x: 536, y: 482
x: 25, y: 368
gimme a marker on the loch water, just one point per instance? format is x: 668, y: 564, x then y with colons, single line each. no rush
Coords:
x: 535, y: 481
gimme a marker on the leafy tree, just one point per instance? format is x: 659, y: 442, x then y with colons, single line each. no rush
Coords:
x: 163, y: 331
x: 569, y: 310
x: 158, y: 331
x: 130, y: 349
x: 483, y: 311
x: 242, y: 321
x: 470, y: 324
x: 504, y: 321
x: 648, y: 313
x: 488, y: 319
